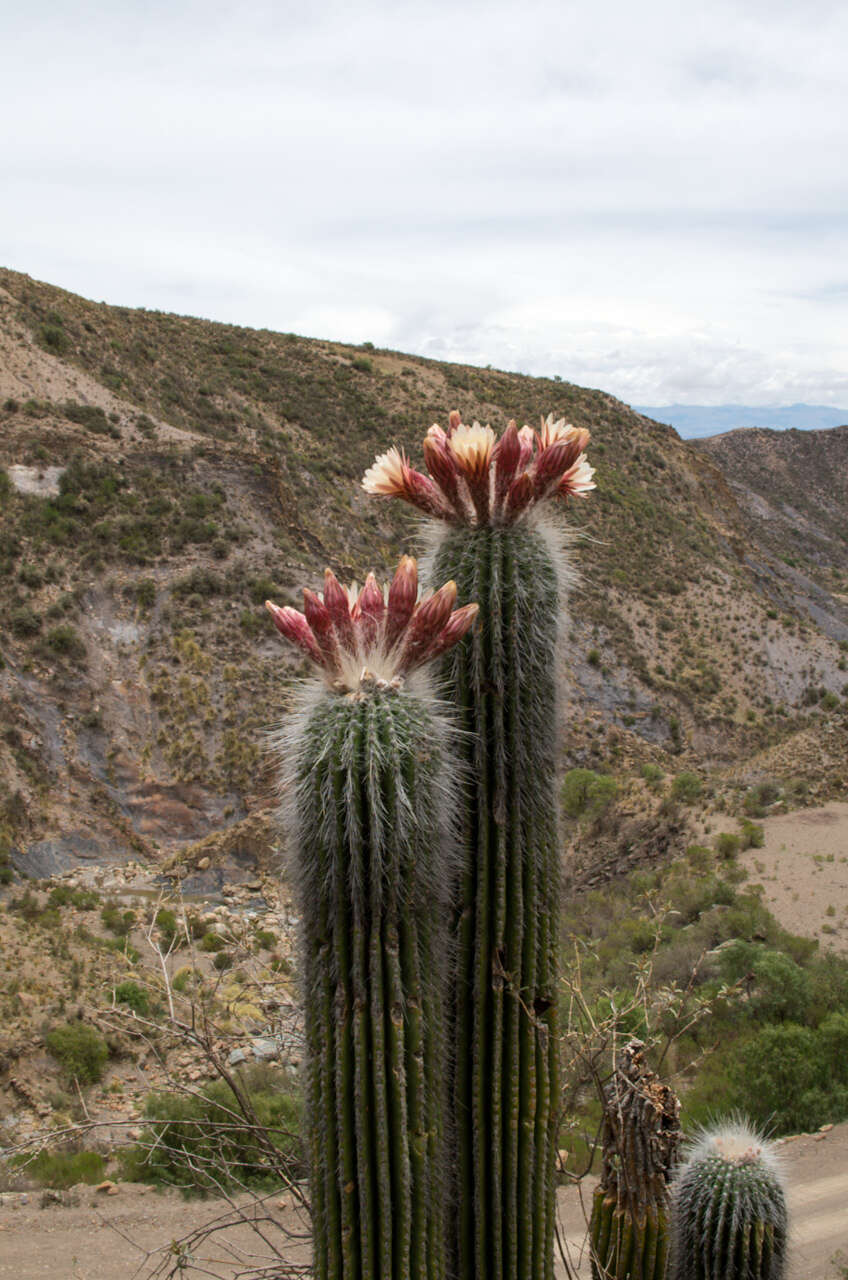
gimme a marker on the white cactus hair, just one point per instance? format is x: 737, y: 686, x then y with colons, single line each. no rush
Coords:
x: 285, y: 744
x: 736, y: 1140
x: 728, y: 1199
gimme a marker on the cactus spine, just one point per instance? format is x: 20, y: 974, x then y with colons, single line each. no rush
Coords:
x: 503, y: 1023
x: 729, y: 1209
x: 629, y: 1230
x: 370, y: 782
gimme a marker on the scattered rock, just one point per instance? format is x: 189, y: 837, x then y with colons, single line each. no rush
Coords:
x: 265, y: 1049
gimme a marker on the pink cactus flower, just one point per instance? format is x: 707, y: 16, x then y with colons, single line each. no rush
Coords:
x: 376, y: 635
x: 478, y: 479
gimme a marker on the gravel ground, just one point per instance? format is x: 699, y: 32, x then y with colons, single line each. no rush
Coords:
x: 107, y: 1237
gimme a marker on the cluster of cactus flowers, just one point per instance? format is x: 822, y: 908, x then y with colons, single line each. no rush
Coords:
x: 386, y: 632
x: 477, y: 479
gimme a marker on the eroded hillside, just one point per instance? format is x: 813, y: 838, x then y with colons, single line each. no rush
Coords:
x: 164, y: 475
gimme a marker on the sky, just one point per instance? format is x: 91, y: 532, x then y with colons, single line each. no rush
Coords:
x: 651, y: 199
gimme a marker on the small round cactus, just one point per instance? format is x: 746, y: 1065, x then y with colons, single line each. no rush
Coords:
x: 729, y: 1219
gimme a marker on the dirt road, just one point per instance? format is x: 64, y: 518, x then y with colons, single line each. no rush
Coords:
x: 107, y: 1237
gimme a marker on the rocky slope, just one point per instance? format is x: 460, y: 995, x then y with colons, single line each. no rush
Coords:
x: 162, y: 475
x: 792, y: 490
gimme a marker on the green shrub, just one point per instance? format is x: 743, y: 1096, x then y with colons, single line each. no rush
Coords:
x: 223, y: 960
x: 145, y: 593
x: 686, y: 788
x: 699, y: 857
x: 197, y: 1143
x: 783, y: 988
x: 166, y: 921
x: 117, y: 921
x: 184, y: 979
x: 60, y: 1169
x: 65, y: 641
x: 727, y: 844
x: 131, y: 994
x: 31, y: 576
x: 87, y: 415
x: 212, y: 942
x: 24, y: 621
x: 779, y: 1078
x: 262, y: 589
x: 54, y: 338
x: 751, y: 834
x: 200, y: 582
x: 586, y: 794
x: 85, y: 899
x: 79, y: 1050
x: 653, y: 775
x: 123, y: 947
x: 758, y: 800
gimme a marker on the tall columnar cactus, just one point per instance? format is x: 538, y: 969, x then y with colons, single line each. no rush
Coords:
x: 629, y: 1229
x: 370, y: 792
x: 729, y: 1219
x: 484, y: 495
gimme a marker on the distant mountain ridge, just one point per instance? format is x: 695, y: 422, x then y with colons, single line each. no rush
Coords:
x: 695, y: 421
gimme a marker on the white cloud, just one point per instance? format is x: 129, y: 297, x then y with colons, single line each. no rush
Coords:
x: 645, y: 198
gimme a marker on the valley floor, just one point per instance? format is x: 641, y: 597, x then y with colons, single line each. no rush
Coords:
x: 106, y: 1237
x: 803, y: 868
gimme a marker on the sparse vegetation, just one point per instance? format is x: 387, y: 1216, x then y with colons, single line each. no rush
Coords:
x: 586, y: 794
x: 80, y: 1050
x: 194, y: 1142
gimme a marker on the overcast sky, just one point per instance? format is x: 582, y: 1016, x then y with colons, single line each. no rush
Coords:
x: 649, y: 198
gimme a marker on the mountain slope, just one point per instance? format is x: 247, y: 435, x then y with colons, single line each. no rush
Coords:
x: 792, y: 487
x: 163, y: 475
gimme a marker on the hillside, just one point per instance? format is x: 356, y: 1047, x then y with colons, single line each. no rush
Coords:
x: 792, y: 489
x: 163, y: 475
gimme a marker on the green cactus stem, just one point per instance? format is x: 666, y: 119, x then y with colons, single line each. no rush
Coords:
x: 502, y: 680
x: 370, y: 779
x: 629, y: 1227
x: 729, y: 1218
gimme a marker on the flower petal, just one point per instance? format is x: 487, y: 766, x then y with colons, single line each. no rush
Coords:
x: 294, y: 627
x: 403, y: 594
x: 372, y: 608
x: 338, y: 606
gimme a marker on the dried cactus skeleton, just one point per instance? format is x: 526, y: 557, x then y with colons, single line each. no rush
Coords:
x: 640, y: 1139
